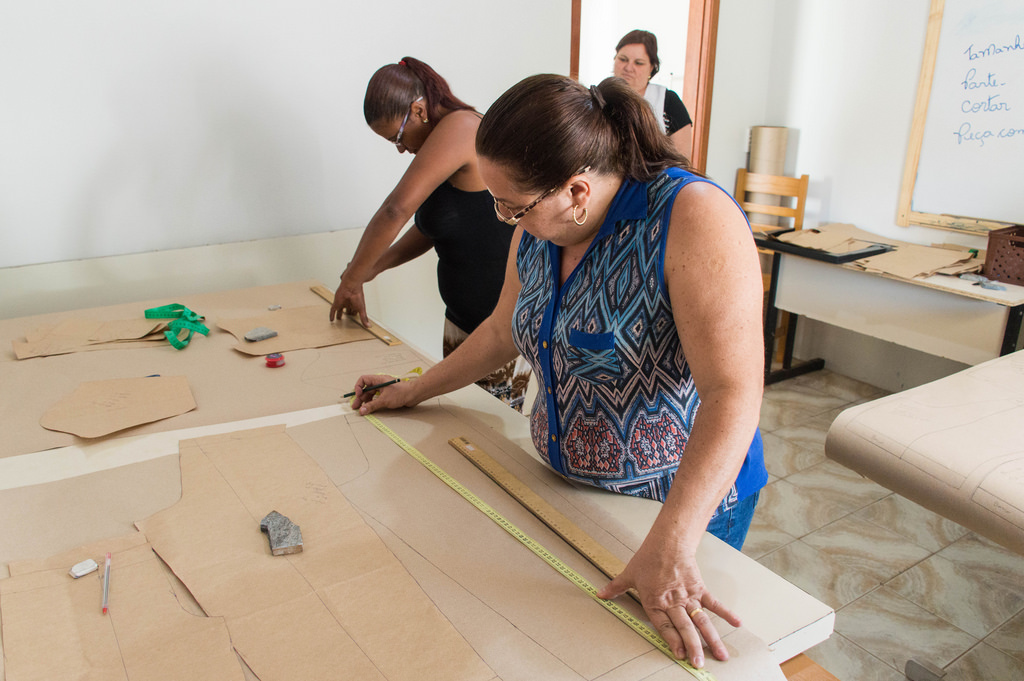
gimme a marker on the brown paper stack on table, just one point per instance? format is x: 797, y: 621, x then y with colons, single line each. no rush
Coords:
x: 908, y: 261
x: 905, y: 260
x: 833, y: 237
x: 79, y: 335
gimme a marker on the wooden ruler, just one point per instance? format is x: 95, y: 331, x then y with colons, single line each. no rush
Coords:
x: 603, y: 559
x: 377, y: 330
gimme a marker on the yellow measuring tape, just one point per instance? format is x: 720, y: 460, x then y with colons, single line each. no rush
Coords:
x: 579, y: 580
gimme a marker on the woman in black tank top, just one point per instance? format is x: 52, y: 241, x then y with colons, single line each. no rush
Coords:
x: 411, y: 105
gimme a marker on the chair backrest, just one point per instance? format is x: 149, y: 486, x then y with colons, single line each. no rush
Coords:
x: 790, y: 192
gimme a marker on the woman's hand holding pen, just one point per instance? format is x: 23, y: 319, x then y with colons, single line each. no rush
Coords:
x: 381, y: 391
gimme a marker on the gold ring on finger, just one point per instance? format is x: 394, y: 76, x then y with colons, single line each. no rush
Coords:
x: 696, y: 611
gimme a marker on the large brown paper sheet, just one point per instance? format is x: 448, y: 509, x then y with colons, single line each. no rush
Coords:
x: 518, y: 614
x: 228, y: 385
x: 65, y: 559
x: 297, y: 329
x: 98, y: 408
x: 294, y: 653
x: 42, y: 520
x: 53, y: 627
x: 526, y: 620
x: 75, y: 335
x: 345, y: 592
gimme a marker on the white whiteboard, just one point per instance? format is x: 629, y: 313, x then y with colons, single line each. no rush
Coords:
x: 973, y: 144
x: 131, y: 126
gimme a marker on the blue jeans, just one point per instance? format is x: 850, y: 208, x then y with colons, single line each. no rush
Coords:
x: 731, y: 526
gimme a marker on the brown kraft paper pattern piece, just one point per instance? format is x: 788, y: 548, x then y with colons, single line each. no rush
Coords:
x: 345, y: 602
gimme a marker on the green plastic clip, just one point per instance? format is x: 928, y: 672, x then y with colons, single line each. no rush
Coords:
x: 184, y: 319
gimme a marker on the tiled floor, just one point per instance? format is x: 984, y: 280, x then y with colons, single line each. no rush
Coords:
x: 905, y: 582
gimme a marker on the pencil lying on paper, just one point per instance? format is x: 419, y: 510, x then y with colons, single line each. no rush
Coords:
x: 368, y: 388
x: 106, y: 584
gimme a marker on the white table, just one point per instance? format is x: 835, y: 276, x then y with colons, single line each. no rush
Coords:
x: 787, y: 619
x: 939, y: 315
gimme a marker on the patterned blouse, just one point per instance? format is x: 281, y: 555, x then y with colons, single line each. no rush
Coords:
x: 617, y: 401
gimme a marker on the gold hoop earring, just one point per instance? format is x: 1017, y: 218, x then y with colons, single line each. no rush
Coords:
x: 577, y: 221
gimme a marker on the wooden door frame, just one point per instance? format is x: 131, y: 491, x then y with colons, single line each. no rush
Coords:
x: 699, y: 75
x: 574, y: 40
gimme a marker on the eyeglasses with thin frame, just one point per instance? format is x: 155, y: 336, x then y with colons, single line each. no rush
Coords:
x: 515, y: 218
x: 398, y: 138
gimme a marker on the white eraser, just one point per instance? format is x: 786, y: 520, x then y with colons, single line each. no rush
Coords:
x: 82, y: 569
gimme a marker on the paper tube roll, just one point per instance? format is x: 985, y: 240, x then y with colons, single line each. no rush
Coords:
x: 768, y: 157
x: 768, y: 149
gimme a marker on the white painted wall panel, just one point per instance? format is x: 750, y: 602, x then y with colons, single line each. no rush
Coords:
x: 128, y: 127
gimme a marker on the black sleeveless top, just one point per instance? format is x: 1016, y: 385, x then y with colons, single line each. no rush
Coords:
x: 472, y: 249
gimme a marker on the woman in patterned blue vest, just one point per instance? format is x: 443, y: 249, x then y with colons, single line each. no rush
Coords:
x: 634, y: 290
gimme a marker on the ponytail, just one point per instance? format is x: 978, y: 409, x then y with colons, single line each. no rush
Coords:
x: 644, y: 149
x: 547, y: 127
x: 394, y: 87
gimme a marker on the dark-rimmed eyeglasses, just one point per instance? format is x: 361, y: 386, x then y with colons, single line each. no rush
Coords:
x: 514, y: 219
x: 398, y: 138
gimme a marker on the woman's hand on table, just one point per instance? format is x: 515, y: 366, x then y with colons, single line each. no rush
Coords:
x: 394, y: 396
x: 348, y: 299
x: 675, y: 599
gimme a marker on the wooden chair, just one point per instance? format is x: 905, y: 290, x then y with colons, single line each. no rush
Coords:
x: 776, y: 195
x: 780, y: 196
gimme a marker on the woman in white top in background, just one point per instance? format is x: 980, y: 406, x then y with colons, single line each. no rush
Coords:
x: 636, y: 62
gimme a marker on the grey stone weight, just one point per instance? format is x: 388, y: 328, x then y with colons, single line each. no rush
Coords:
x: 260, y: 333
x: 285, y: 536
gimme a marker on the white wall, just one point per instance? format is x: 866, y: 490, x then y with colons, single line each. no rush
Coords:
x: 129, y: 127
x: 843, y: 77
x: 739, y: 97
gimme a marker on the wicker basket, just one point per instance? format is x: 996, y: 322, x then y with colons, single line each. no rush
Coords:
x: 1004, y: 260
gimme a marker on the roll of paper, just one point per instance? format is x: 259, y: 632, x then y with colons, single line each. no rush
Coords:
x: 768, y: 157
